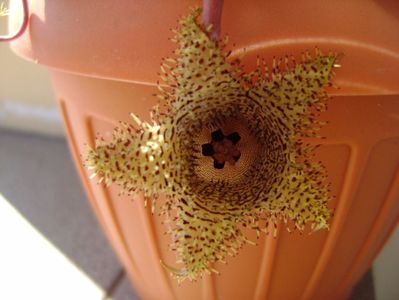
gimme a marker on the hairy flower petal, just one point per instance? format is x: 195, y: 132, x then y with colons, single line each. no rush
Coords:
x: 228, y: 152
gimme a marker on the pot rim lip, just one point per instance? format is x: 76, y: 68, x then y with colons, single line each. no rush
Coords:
x: 133, y: 53
x: 248, y: 50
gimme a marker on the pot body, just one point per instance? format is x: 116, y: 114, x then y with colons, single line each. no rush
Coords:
x: 103, y: 65
x: 360, y: 152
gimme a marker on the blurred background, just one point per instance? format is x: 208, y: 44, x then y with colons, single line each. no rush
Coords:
x: 52, y: 246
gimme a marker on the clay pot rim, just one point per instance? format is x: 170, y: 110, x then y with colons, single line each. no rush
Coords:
x: 142, y: 67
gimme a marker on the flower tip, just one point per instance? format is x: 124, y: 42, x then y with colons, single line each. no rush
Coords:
x: 180, y: 274
x: 136, y: 119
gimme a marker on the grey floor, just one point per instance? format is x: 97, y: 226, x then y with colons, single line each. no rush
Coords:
x: 38, y: 177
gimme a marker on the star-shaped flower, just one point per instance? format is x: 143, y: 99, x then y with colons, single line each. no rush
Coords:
x: 227, y: 151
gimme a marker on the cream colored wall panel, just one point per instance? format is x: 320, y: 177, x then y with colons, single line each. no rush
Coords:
x: 26, y: 97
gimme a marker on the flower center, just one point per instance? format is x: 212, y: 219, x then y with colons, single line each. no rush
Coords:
x: 222, y: 148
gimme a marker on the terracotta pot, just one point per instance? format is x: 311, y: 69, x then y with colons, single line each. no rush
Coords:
x: 103, y: 57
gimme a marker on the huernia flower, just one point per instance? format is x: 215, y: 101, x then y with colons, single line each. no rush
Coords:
x: 227, y: 151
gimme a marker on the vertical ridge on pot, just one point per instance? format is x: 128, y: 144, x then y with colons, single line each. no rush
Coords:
x: 375, y: 181
x: 357, y: 163
x: 107, y: 211
x: 361, y: 220
x: 152, y: 236
x: 383, y: 214
x: 125, y: 256
x: 208, y: 288
x: 267, y: 266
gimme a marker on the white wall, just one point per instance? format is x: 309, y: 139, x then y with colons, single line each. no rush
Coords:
x: 26, y: 98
